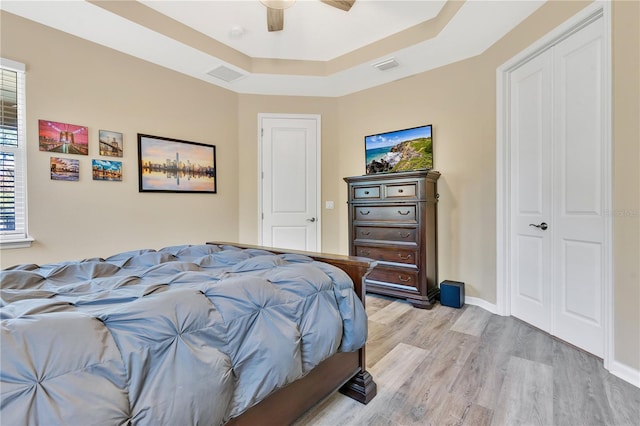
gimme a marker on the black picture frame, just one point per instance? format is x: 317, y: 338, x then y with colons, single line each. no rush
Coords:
x: 174, y: 165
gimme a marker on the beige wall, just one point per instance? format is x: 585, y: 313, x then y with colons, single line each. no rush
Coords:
x: 626, y: 181
x: 71, y: 80
x: 459, y: 100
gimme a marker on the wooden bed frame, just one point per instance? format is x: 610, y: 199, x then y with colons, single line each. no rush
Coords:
x: 344, y: 371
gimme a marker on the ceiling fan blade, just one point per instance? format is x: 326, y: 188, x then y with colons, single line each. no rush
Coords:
x: 275, y: 19
x: 340, y: 4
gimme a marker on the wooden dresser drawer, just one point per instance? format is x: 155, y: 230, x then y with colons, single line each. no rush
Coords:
x: 389, y: 254
x: 408, y: 190
x: 408, y: 235
x: 394, y: 276
x: 399, y: 213
x: 366, y: 192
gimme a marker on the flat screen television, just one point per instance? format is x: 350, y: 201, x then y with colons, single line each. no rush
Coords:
x: 399, y: 150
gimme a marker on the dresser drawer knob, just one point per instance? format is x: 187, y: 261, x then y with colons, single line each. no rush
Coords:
x: 365, y: 232
x: 404, y: 213
x: 400, y: 191
x: 365, y: 252
x: 404, y: 279
x: 407, y: 257
x: 366, y: 192
x: 364, y: 212
x: 407, y: 235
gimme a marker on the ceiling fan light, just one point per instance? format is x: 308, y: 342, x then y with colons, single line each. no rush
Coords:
x: 278, y: 4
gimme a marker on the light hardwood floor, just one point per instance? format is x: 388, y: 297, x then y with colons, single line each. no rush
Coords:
x: 466, y: 366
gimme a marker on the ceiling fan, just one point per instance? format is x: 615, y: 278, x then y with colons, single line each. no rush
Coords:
x: 275, y: 10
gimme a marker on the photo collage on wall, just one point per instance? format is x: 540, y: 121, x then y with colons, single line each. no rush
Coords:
x: 71, y: 139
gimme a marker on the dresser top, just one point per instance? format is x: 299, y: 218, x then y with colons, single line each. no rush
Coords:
x: 429, y: 174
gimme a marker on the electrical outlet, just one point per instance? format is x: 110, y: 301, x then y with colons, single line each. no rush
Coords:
x: 328, y: 205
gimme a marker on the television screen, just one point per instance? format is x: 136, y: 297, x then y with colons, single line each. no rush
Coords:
x: 399, y: 150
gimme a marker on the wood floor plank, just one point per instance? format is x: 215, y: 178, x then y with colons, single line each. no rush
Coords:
x: 481, y: 378
x: 581, y: 394
x: 421, y: 400
x: 392, y: 381
x: 335, y: 410
x: 623, y: 398
x: 383, y: 338
x: 399, y: 364
x: 532, y: 344
x: 472, y: 321
x: 478, y: 416
x: 391, y: 373
x: 526, y: 395
x: 455, y: 411
x: 376, y: 303
x: 418, y: 327
x: 390, y: 313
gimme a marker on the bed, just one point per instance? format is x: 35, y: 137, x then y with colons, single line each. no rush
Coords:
x: 214, y: 333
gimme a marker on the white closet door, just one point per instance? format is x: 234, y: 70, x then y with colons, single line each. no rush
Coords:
x: 556, y: 130
x: 531, y: 200
x: 579, y: 222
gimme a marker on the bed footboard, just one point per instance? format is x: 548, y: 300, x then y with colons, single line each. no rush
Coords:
x: 345, y: 372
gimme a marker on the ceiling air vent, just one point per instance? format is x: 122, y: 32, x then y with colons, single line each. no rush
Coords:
x: 226, y: 74
x: 386, y: 64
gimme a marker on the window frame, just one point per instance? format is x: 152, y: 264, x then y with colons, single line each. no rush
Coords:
x: 18, y: 238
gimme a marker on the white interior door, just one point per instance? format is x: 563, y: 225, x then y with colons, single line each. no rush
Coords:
x: 531, y: 199
x: 557, y: 139
x: 290, y: 181
x: 579, y: 220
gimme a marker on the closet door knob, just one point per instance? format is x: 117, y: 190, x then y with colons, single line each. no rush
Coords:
x: 542, y: 226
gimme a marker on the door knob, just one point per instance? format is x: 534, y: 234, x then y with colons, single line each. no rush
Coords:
x: 313, y: 219
x: 542, y: 226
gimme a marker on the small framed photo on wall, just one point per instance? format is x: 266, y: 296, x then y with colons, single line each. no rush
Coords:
x: 106, y: 170
x: 63, y: 138
x: 111, y: 143
x: 65, y: 169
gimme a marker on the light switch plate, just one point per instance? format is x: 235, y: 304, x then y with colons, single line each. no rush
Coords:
x: 328, y: 205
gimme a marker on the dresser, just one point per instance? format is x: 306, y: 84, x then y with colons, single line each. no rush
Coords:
x: 393, y: 219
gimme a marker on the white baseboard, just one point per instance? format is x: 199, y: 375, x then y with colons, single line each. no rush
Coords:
x: 626, y: 373
x: 476, y: 301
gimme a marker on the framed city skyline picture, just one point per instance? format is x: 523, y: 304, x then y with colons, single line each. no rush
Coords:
x: 63, y: 138
x: 106, y: 170
x: 173, y: 165
x: 65, y: 169
x: 111, y: 143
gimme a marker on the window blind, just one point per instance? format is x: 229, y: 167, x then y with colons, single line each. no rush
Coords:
x: 13, y: 211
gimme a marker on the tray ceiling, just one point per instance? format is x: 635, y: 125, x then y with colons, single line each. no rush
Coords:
x: 322, y: 51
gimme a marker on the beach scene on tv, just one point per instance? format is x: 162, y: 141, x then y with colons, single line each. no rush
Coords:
x: 400, y: 150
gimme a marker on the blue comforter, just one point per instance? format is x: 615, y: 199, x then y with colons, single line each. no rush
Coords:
x: 178, y: 336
